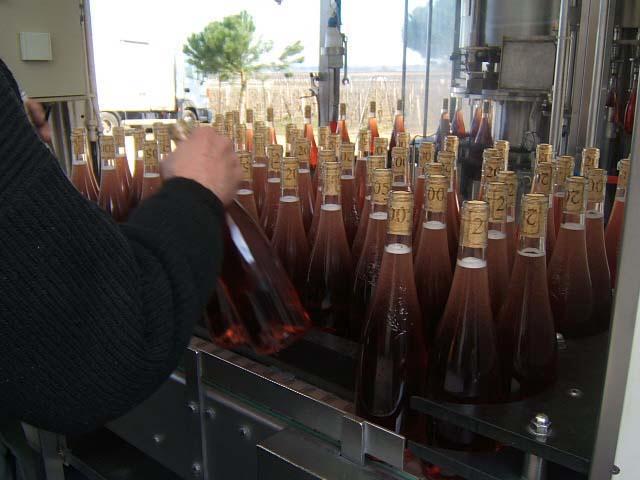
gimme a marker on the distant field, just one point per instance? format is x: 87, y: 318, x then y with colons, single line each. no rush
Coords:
x: 287, y: 97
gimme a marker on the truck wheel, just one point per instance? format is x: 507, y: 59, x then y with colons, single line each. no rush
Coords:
x: 109, y: 120
x: 189, y: 116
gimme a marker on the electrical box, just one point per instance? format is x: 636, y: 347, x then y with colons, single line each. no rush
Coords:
x: 35, y: 46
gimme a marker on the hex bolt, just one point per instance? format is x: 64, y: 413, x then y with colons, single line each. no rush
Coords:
x: 210, y: 413
x: 574, y: 392
x: 615, y: 470
x: 158, y: 438
x: 196, y: 469
x: 540, y: 425
x: 245, y: 432
x: 193, y: 407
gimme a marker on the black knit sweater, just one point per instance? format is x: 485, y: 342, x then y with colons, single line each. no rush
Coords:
x: 93, y: 316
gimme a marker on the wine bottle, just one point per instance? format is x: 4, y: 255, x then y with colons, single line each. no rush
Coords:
x: 272, y: 202
x: 630, y: 109
x: 433, y: 168
x: 361, y: 169
x: 399, y: 167
x: 289, y: 240
x: 323, y: 137
x: 452, y: 144
x: 302, y: 152
x: 570, y: 289
x: 613, y: 233
x: 526, y: 330
x: 447, y: 159
x: 502, y: 146
x: 492, y: 163
x: 457, y: 125
x: 464, y: 365
x: 308, y: 134
x: 510, y: 179
x: 497, y: 251
x: 373, y: 126
x: 245, y: 194
x: 151, y: 179
x: 80, y: 176
x: 324, y: 157
x: 350, y: 214
x: 111, y: 197
x: 329, y: 277
x: 393, y: 356
x: 248, y: 119
x: 373, y: 162
x: 543, y: 181
x: 341, y: 129
x: 564, y: 169
x: 122, y: 163
x: 444, y: 126
x: 291, y: 133
x: 398, y: 126
x: 139, y: 137
x: 484, y: 138
x: 590, y: 159
x: 271, y: 127
x: 475, y: 121
x: 432, y: 266
x: 596, y: 252
x: 426, y: 154
x: 259, y: 170
x: 368, y: 264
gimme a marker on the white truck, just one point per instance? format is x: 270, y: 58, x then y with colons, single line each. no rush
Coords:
x: 141, y: 74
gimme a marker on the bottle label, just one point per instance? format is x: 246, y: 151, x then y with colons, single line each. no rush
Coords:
x: 258, y: 144
x: 107, y: 148
x: 331, y: 184
x: 139, y: 137
x: 426, y: 154
x: 534, y: 213
x: 380, y: 146
x: 118, y: 136
x: 363, y: 142
x: 241, y: 135
x: 347, y: 156
x: 289, y: 177
x: 78, y: 143
x: 323, y: 136
x: 150, y: 150
x: 274, y: 152
x: 400, y: 214
x: 545, y: 177
x: 436, y: 196
x: 402, y: 139
x: 269, y: 114
x: 249, y: 115
x: 623, y: 173
x: 474, y: 228
x: 374, y: 162
x: 334, y: 140
x: 574, y: 199
x: 163, y: 141
x: 245, y: 163
x: 497, y: 204
x: 434, y: 169
x: 399, y: 160
x: 491, y: 168
x: 302, y: 150
x: 451, y: 143
x: 564, y: 169
x: 289, y: 135
x: 597, y: 185
x: 381, y: 186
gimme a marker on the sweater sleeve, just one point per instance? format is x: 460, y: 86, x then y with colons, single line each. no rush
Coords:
x: 94, y: 316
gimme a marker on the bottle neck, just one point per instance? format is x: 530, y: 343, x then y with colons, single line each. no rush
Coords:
x: 435, y: 220
x: 400, y: 242
x: 330, y: 199
x: 378, y: 208
x: 531, y: 246
x: 121, y: 151
x: 511, y: 214
x: 307, y: 120
x: 571, y: 219
x: 472, y: 253
x: 621, y: 193
x: 289, y: 191
x: 497, y: 227
x: 595, y: 209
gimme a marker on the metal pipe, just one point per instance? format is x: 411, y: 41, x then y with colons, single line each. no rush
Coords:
x: 427, y: 72
x: 405, y: 39
x: 557, y: 107
x: 596, y: 78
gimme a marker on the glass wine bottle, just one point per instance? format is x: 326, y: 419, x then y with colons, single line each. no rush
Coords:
x: 630, y: 109
x: 497, y: 245
x: 444, y: 125
x: 270, y: 211
x: 341, y: 129
x: 564, y: 169
x: 432, y: 266
x: 543, y: 181
x: 323, y: 144
x: 111, y: 197
x: 350, y: 214
x: 611, y: 101
x: 570, y: 289
x: 398, y: 126
x: 324, y: 157
x: 308, y: 134
x: 526, y: 330
x: 289, y: 240
x: 433, y: 168
x: 302, y: 152
x: 476, y: 120
x: 510, y: 179
x: 259, y: 170
x: 596, y: 252
x: 492, y: 163
x: 613, y: 233
x: 374, y: 162
x: 271, y: 127
x: 590, y: 159
x: 139, y: 137
x: 426, y: 154
x: 393, y: 356
x: 361, y: 169
x: 452, y: 144
x: 151, y: 179
x: 122, y: 163
x: 81, y: 178
x: 245, y: 194
x: 464, y: 364
x: 381, y: 147
x: 329, y: 277
x: 368, y: 264
x: 457, y: 125
x: 372, y: 125
x: 447, y: 159
x: 399, y: 167
x: 248, y: 119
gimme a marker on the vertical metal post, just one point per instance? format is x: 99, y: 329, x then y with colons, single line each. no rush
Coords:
x: 598, y: 60
x: 427, y: 72
x: 557, y: 107
x: 405, y: 39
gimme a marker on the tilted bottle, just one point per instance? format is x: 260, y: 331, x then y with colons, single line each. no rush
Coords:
x: 526, y: 330
x: 245, y: 194
x: 497, y: 251
x: 272, y: 202
x: 596, y: 252
x: 432, y: 266
x: 398, y: 126
x: 613, y: 233
x: 444, y: 125
x: 570, y: 289
x: 308, y: 134
x: 289, y: 240
x: 510, y: 179
x: 464, y: 364
x: 324, y: 157
x: 374, y: 162
x: 271, y: 127
x: 457, y: 124
x: 341, y: 129
x: 400, y: 169
x: 259, y: 169
x: 368, y: 264
x: 447, y: 159
x: 543, y: 181
x: 372, y: 125
x: 302, y: 152
x: 122, y: 163
x: 350, y: 213
x: 433, y: 168
x: 151, y: 179
x: 329, y: 277
x: 81, y: 178
x: 361, y: 168
x: 139, y: 137
x: 248, y: 119
x: 564, y: 169
x: 111, y: 197
x: 492, y: 163
x: 394, y: 359
x: 426, y: 154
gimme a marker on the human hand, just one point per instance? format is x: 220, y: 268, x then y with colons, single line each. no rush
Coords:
x: 39, y: 119
x: 209, y: 159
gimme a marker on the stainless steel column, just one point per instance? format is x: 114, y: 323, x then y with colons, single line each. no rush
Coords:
x: 559, y: 79
x: 427, y: 72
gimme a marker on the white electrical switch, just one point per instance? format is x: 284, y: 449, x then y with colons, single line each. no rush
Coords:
x: 35, y: 46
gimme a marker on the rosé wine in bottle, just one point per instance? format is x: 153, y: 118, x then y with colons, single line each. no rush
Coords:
x: 630, y: 109
x: 447, y: 159
x: 248, y: 118
x: 341, y: 128
x: 374, y: 162
x: 272, y: 201
x: 457, y: 124
x: 432, y: 266
x: 350, y: 213
x: 464, y: 364
x: 111, y: 198
x: 526, y: 330
x: 81, y: 177
x: 308, y: 134
x: 323, y: 144
x: 570, y: 289
x: 368, y: 264
x: 151, y: 179
x: 122, y: 164
x: 245, y: 194
x: 543, y: 182
x: 444, y: 127
x: 398, y: 126
x: 259, y: 170
x: 596, y: 252
x: 510, y: 179
x: 301, y: 148
x: 433, y: 168
x: 271, y: 128
x: 329, y: 276
x: 426, y: 155
x: 393, y: 356
x: 361, y: 169
x: 497, y: 254
x: 613, y: 233
x: 289, y: 239
x: 139, y: 137
x: 564, y: 169
x: 324, y: 156
x: 373, y: 126
x: 475, y: 121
